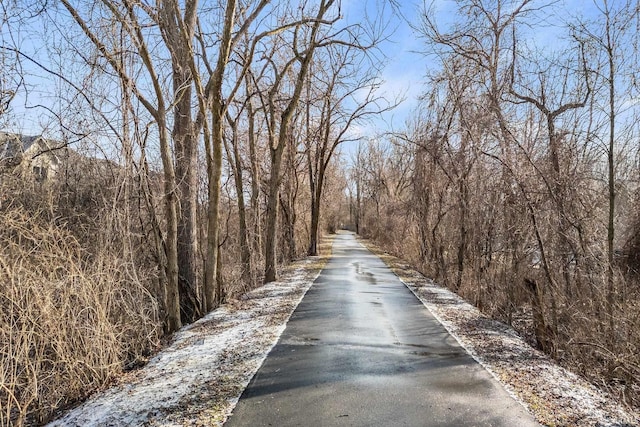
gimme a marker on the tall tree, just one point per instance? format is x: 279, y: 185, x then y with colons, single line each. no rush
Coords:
x: 232, y: 148
x: 212, y: 101
x: 303, y: 55
x: 128, y: 15
x: 177, y: 24
x: 346, y: 98
x: 611, y: 35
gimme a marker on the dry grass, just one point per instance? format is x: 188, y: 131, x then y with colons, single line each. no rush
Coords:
x: 69, y: 322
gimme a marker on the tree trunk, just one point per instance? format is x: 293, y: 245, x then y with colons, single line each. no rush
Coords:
x: 611, y: 179
x: 462, y: 244
x: 213, y: 294
x: 288, y: 230
x: 178, y: 32
x: 172, y: 302
x: 315, y: 219
x: 316, y: 197
x: 543, y: 333
x: 277, y: 151
x: 186, y: 169
x: 236, y: 166
x: 270, y: 271
x: 221, y: 294
x: 255, y: 182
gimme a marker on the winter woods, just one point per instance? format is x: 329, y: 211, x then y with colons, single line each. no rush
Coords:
x: 217, y: 125
x: 515, y: 184
x: 192, y: 148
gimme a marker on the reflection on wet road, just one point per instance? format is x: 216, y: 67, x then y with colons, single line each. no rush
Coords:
x: 361, y: 350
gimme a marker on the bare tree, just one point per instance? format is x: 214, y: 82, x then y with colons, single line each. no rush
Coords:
x: 156, y: 104
x: 302, y: 56
x: 232, y: 148
x: 610, y: 35
x: 177, y: 24
x: 339, y: 112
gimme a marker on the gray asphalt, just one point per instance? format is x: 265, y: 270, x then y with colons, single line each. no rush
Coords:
x: 362, y: 350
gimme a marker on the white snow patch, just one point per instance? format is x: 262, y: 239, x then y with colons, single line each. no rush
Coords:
x: 207, y: 366
x: 553, y: 394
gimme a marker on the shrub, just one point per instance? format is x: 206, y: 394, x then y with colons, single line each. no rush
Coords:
x: 69, y: 322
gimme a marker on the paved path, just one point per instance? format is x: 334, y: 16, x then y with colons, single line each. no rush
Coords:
x: 362, y: 350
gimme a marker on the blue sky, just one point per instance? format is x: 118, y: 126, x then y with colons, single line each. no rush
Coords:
x: 405, y: 68
x: 407, y: 64
x: 402, y: 74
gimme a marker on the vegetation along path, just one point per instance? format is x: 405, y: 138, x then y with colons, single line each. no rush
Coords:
x: 362, y: 350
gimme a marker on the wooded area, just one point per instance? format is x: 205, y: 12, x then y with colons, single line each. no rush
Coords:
x: 516, y: 183
x: 192, y: 148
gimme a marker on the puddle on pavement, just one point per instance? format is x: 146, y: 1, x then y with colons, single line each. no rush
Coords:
x: 362, y: 274
x: 301, y: 341
x: 370, y: 278
x: 425, y: 353
x: 410, y: 345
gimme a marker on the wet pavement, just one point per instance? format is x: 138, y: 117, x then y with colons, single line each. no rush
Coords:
x: 362, y: 350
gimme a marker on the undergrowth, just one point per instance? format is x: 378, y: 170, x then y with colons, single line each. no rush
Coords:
x: 69, y: 320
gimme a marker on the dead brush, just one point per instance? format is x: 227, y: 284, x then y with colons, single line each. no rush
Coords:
x: 68, y: 323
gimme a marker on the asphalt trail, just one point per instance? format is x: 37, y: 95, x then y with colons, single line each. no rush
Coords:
x: 362, y: 350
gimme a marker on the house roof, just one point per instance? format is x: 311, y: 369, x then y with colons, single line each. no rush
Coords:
x: 13, y: 146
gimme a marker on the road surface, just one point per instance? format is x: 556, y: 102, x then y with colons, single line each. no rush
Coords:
x: 362, y: 350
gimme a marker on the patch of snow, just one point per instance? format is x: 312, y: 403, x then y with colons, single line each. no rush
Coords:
x: 202, y: 374
x: 553, y: 394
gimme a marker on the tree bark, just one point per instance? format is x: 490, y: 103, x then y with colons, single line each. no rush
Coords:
x: 255, y: 183
x: 270, y: 272
x: 172, y: 303
x: 178, y: 32
x: 236, y: 167
x: 611, y: 173
x: 186, y: 169
x: 213, y: 292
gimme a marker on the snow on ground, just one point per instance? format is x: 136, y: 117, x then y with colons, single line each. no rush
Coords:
x: 199, y: 378
x: 554, y: 395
